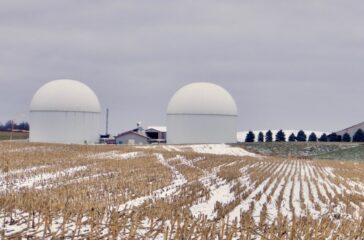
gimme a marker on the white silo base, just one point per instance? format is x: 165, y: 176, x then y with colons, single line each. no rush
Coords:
x: 195, y: 129
x: 64, y: 127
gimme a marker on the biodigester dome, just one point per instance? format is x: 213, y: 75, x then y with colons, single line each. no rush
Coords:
x: 201, y: 113
x: 64, y: 111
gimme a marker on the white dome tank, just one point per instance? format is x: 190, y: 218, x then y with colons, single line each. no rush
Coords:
x: 65, y: 111
x: 201, y: 113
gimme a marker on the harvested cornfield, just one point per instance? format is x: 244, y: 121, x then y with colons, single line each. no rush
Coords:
x: 8, y: 135
x: 175, y: 192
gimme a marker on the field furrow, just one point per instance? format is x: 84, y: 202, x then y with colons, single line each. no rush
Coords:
x: 174, y: 192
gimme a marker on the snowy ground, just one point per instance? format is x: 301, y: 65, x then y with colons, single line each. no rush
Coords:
x: 220, y: 182
x: 217, y: 149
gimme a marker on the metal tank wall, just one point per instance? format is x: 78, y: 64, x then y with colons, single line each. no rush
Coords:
x: 201, y: 128
x: 64, y: 127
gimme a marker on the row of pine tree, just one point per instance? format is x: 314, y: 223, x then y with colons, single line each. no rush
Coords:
x: 11, y: 125
x: 302, y: 137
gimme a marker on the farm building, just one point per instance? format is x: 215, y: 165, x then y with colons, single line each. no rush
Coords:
x: 139, y: 135
x: 65, y: 111
x: 201, y: 113
x: 351, y: 130
x: 157, y: 134
x: 132, y: 138
x: 135, y: 136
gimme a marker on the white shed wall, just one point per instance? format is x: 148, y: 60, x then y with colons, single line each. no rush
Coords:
x: 64, y: 127
x: 194, y: 128
x: 131, y: 139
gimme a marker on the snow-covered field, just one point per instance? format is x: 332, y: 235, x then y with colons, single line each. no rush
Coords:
x: 217, y: 149
x: 173, y: 192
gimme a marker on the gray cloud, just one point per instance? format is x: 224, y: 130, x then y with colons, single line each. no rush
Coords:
x: 288, y: 64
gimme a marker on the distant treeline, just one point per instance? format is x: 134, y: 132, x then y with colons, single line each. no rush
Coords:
x: 302, y: 137
x: 11, y: 125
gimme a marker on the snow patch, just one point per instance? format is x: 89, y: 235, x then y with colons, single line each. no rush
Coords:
x: 220, y: 194
x: 221, y: 149
x: 115, y: 155
x: 37, y: 180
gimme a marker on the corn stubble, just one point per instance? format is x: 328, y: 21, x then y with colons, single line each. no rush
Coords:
x: 58, y: 191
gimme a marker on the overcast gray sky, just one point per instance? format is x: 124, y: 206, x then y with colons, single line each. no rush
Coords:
x: 288, y: 64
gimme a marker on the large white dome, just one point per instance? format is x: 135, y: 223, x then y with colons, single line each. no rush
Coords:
x: 65, y: 111
x: 201, y: 113
x: 65, y: 96
x: 202, y: 98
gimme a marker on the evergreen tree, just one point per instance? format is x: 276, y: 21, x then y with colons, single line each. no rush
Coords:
x: 292, y: 138
x: 312, y: 137
x: 301, y: 136
x: 10, y: 125
x: 323, y: 138
x: 260, y: 137
x: 250, y: 137
x: 23, y: 126
x: 269, y: 136
x: 333, y: 137
x: 359, y: 136
x: 280, y: 136
x: 346, y: 137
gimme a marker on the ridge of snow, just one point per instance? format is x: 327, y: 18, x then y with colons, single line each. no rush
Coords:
x: 39, y: 178
x: 177, y: 180
x: 221, y: 149
x: 115, y: 155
